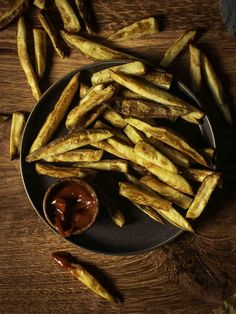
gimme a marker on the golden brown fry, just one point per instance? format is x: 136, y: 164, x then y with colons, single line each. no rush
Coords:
x: 88, y: 280
x: 107, y: 147
x: 92, y: 49
x: 199, y: 175
x: 167, y: 191
x: 62, y: 172
x: 77, y: 155
x: 3, y: 117
x: 96, y: 96
x: 174, y: 155
x: 149, y: 153
x: 169, y: 137
x: 103, y: 76
x: 114, y: 118
x: 126, y: 93
x: 117, y: 165
x: 135, y: 30
x: 40, y: 4
x: 161, y: 79
x: 216, y: 88
x: 51, y: 31
x: 143, y: 196
x: 146, y: 109
x: 203, y: 195
x: 208, y: 152
x: 178, y: 46
x: 18, y: 8
x: 24, y: 59
x: 92, y: 116
x: 40, y: 51
x: 83, y: 90
x: 69, y: 18
x: 57, y: 114
x: 17, y: 127
x: 69, y: 142
x: 83, y: 11
x: 195, y: 69
x: 149, y: 211
x: 133, y: 134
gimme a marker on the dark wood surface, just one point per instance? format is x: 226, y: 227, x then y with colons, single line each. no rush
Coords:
x: 192, y: 275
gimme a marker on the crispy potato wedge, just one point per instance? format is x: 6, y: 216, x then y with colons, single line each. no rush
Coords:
x: 69, y: 18
x: 139, y: 108
x: 199, y: 175
x: 22, y: 49
x: 96, y: 96
x: 83, y: 11
x: 126, y: 93
x: 143, y: 196
x: 174, y: 218
x: 17, y: 128
x: 40, y: 4
x: 57, y: 114
x: 203, y: 195
x: 175, y: 156
x: 172, y: 52
x: 107, y: 147
x: 18, y: 8
x: 135, y: 30
x: 162, y: 80
x: 167, y: 191
x: 77, y: 155
x: 137, y: 168
x: 195, y: 69
x: 93, y: 115
x: 51, y: 31
x: 169, y: 137
x: 40, y: 51
x: 149, y: 153
x: 83, y: 90
x: 92, y: 49
x: 216, y: 88
x: 133, y: 134
x: 69, y: 142
x: 62, y: 172
x: 149, y: 211
x: 103, y: 76
x: 3, y: 117
x: 114, y: 118
x: 117, y: 165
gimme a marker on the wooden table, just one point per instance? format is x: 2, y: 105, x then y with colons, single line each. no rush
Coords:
x: 193, y: 274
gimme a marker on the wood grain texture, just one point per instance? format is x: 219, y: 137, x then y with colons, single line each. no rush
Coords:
x: 192, y: 275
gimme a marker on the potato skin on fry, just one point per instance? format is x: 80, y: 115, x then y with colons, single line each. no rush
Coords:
x: 19, y: 7
x: 70, y: 20
x: 161, y: 79
x: 105, y: 165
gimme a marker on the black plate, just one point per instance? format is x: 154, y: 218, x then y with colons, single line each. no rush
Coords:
x: 140, y: 233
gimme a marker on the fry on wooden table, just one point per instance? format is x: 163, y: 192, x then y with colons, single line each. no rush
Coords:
x: 82, y: 6
x: 18, y: 8
x: 40, y: 51
x: 69, y: 18
x: 195, y: 69
x: 17, y: 127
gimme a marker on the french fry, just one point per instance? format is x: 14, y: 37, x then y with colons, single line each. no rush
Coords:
x: 83, y: 11
x: 135, y: 30
x: 216, y: 88
x: 116, y: 165
x: 3, y: 117
x: 94, y: 115
x: 167, y: 191
x: 51, y: 31
x: 103, y: 76
x: 146, y: 109
x: 169, y: 137
x: 178, y: 46
x: 126, y: 93
x: 149, y: 211
x: 57, y: 114
x: 143, y: 196
x: 69, y: 142
x: 40, y: 51
x: 149, y: 153
x: 161, y: 79
x: 208, y: 152
x: 18, y: 8
x: 114, y: 118
x: 175, y: 156
x: 17, y: 127
x: 203, y: 195
x: 92, y: 49
x: 139, y: 169
x: 152, y: 92
x: 83, y: 90
x: 24, y: 59
x: 107, y: 147
x: 96, y: 96
x: 69, y: 18
x: 40, y: 4
x: 133, y: 134
x: 195, y: 69
x: 77, y: 155
x: 199, y: 175
x: 62, y: 172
